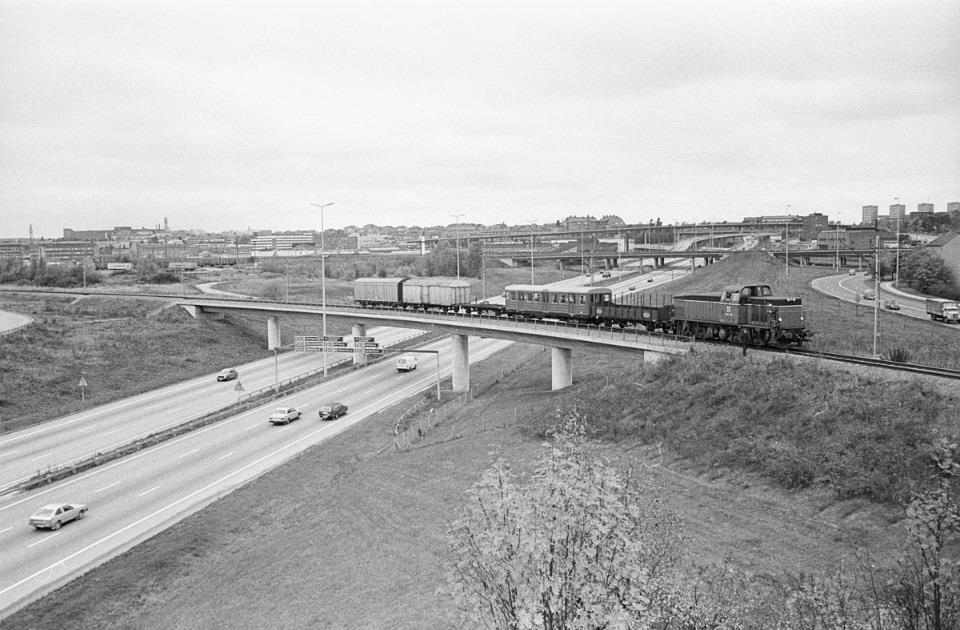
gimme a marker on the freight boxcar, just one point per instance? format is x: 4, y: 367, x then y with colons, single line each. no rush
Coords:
x: 435, y: 292
x: 378, y: 291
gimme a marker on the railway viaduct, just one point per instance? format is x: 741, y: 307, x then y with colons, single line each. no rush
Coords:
x: 562, y: 338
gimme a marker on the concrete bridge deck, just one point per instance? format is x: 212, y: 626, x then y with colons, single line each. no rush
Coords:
x: 562, y: 337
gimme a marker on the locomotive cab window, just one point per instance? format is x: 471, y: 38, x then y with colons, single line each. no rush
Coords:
x: 583, y: 299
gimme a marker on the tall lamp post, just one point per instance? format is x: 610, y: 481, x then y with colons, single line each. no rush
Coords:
x: 457, y: 233
x: 323, y: 285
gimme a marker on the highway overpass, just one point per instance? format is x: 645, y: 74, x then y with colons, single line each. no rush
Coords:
x: 561, y: 337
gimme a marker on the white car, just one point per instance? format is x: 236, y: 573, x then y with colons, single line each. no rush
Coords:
x: 53, y: 515
x: 406, y: 364
x: 284, y: 415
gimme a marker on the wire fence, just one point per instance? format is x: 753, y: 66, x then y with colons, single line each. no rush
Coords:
x: 430, y: 422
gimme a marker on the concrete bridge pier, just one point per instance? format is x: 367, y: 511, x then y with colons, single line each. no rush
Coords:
x: 359, y: 358
x: 273, y: 333
x: 561, y: 368
x: 461, y: 362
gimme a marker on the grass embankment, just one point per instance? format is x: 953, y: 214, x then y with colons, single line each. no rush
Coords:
x: 119, y: 346
x: 352, y: 532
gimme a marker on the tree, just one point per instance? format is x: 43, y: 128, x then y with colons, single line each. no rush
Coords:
x: 928, y: 591
x: 580, y: 546
x: 473, y: 260
x: 442, y: 261
x: 925, y: 271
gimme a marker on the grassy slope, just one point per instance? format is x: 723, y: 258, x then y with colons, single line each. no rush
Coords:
x: 120, y: 346
x: 371, y: 555
x: 352, y: 534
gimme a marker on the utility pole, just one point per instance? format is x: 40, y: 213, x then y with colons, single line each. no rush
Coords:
x: 838, y: 244
x: 896, y: 276
x: 456, y: 228
x: 532, y: 223
x: 786, y: 242
x: 876, y: 295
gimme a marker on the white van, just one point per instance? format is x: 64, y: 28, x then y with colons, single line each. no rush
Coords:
x: 406, y: 364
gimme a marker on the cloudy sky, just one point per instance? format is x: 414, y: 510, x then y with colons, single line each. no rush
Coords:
x: 239, y: 114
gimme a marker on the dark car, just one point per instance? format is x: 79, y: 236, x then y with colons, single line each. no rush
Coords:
x: 332, y: 411
x: 891, y: 305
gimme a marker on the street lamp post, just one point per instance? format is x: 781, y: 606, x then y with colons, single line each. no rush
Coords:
x: 323, y: 285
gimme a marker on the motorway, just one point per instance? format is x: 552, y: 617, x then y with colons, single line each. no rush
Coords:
x: 72, y: 438
x: 135, y: 497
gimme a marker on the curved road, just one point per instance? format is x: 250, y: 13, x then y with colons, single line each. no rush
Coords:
x: 850, y: 288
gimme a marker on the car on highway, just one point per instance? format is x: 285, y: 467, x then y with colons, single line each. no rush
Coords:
x: 869, y: 295
x: 891, y: 305
x: 605, y: 274
x: 284, y: 415
x: 332, y: 411
x: 227, y: 374
x: 406, y: 364
x: 853, y: 272
x: 53, y: 515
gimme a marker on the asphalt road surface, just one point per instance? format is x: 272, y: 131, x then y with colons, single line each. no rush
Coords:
x: 133, y: 498
x: 65, y: 440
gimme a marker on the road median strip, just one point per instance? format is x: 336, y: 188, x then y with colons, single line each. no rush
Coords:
x: 254, y: 399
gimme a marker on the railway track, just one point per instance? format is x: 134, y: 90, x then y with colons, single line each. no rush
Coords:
x: 912, y: 368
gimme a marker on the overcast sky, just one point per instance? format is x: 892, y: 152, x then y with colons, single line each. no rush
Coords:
x: 239, y: 114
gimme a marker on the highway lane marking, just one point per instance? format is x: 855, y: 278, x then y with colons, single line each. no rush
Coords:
x: 226, y: 456
x: 112, y: 432
x: 43, y: 540
x: 4, y: 531
x: 183, y: 499
x: 33, y: 459
x: 107, y: 487
x: 143, y: 494
x: 188, y: 453
x: 141, y: 399
x: 252, y: 426
x: 475, y: 356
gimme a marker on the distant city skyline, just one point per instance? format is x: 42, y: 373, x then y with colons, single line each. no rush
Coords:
x: 243, y: 115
